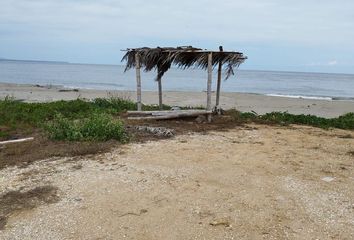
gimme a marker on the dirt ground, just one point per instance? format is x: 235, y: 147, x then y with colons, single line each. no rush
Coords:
x: 24, y: 154
x: 248, y: 182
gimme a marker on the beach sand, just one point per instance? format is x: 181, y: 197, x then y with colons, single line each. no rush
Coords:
x: 241, y: 101
x: 246, y: 181
x: 251, y: 182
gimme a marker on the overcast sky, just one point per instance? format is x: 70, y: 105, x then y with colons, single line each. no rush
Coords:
x: 299, y: 35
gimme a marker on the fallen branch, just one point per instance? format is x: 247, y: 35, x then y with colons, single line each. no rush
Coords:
x: 16, y: 141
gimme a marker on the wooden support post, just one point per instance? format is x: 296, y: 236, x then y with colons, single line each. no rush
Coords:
x: 160, y: 93
x: 210, y: 75
x: 138, y: 80
x: 218, y: 87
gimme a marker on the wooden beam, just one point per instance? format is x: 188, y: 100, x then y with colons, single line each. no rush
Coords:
x: 210, y: 76
x: 218, y: 87
x: 138, y: 81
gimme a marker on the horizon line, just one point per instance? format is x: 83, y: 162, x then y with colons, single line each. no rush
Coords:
x: 111, y: 64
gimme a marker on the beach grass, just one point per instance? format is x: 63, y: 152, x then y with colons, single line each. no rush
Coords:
x: 76, y: 120
x: 98, y: 120
x: 14, y: 112
x: 345, y: 121
x: 96, y: 127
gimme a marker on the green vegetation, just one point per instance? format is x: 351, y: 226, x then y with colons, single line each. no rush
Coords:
x: 76, y: 120
x: 98, y: 120
x: 343, y: 122
x: 97, y: 127
x: 15, y: 112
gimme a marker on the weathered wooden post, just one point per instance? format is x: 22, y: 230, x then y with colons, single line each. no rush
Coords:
x: 218, y: 87
x: 138, y: 80
x: 160, y: 90
x: 210, y: 75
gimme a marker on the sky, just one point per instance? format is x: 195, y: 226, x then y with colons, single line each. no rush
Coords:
x: 287, y: 35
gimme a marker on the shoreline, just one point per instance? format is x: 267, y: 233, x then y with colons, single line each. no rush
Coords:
x: 245, y: 102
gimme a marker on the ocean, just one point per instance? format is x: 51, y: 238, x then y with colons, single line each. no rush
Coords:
x: 112, y: 77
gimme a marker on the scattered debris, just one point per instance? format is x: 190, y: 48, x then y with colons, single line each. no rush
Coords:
x: 201, y: 119
x: 175, y: 108
x: 218, y: 110
x: 158, y: 131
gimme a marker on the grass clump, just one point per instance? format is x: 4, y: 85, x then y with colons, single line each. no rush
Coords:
x: 14, y: 112
x: 283, y: 118
x: 74, y: 120
x: 97, y: 127
x: 114, y: 105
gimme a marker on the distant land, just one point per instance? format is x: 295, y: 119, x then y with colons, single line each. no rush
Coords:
x: 31, y: 61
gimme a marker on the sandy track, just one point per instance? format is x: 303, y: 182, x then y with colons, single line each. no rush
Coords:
x: 254, y: 182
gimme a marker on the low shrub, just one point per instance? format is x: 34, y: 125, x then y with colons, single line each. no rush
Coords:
x: 97, y: 127
x: 114, y: 104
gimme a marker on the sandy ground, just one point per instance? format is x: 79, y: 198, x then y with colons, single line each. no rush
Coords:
x: 241, y: 101
x: 251, y: 182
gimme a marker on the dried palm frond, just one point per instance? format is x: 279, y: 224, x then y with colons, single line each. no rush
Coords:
x: 161, y: 59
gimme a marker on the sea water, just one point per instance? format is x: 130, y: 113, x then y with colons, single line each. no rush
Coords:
x: 112, y: 77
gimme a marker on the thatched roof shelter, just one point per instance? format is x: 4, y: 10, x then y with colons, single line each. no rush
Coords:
x: 162, y: 59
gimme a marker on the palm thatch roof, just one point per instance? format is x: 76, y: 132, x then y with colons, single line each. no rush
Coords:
x: 161, y: 59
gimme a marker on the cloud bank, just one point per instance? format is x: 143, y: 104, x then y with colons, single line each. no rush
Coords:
x: 110, y: 24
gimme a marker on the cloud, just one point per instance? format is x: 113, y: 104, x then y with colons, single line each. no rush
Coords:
x: 332, y: 63
x: 319, y: 64
x: 270, y: 32
x: 304, y: 22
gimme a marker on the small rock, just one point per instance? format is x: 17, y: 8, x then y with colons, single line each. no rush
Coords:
x: 221, y: 222
x: 175, y: 108
x: 142, y: 211
x: 327, y: 179
x: 200, y: 119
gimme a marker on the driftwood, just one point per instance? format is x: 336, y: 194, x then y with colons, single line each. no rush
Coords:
x: 161, y: 113
x: 16, y: 141
x: 171, y: 115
